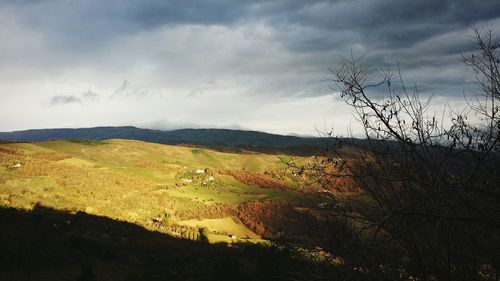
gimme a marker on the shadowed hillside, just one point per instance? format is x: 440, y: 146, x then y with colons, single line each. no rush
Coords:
x: 45, y: 244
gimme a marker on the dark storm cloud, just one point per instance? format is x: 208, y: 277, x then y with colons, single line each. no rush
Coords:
x: 388, y: 24
x: 414, y: 34
x: 99, y: 20
x: 64, y: 99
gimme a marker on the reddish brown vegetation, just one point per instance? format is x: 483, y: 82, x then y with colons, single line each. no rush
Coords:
x: 250, y: 178
x: 8, y: 151
x: 51, y: 156
x: 334, y: 174
x: 339, y: 184
x: 219, y: 210
x: 272, y: 219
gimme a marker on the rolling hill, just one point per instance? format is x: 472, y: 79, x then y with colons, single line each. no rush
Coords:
x: 107, y: 193
x: 150, y: 184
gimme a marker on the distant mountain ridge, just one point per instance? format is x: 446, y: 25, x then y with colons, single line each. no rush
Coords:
x: 205, y: 137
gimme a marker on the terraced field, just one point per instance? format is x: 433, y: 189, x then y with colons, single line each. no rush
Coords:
x: 177, y: 190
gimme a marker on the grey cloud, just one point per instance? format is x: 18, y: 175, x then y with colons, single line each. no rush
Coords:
x: 120, y: 90
x: 85, y: 25
x: 391, y: 32
x: 388, y: 23
x: 382, y: 25
x: 90, y: 96
x: 395, y: 16
x: 64, y: 99
x: 260, y: 50
x: 127, y: 90
x: 85, y: 97
x: 207, y: 86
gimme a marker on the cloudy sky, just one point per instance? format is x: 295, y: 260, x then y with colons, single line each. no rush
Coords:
x: 259, y: 65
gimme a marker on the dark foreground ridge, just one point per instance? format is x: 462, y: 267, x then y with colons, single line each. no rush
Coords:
x: 46, y: 244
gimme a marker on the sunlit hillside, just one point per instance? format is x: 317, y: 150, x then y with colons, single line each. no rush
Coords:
x: 187, y: 192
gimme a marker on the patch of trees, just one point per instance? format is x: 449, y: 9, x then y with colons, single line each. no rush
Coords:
x: 184, y: 231
x: 280, y: 220
x: 191, y: 209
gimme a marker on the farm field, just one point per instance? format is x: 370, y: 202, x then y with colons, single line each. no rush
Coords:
x: 189, y: 192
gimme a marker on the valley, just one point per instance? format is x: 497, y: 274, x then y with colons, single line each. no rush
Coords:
x: 188, y: 192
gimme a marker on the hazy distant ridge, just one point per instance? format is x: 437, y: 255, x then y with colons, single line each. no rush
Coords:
x: 209, y: 137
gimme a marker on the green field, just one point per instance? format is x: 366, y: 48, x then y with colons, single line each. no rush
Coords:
x: 153, y: 185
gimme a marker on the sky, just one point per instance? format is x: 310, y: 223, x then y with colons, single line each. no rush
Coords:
x: 258, y: 65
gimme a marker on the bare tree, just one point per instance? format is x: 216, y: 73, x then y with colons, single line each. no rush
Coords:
x: 424, y: 196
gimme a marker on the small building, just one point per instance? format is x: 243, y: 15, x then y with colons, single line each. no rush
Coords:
x: 18, y: 165
x: 199, y: 171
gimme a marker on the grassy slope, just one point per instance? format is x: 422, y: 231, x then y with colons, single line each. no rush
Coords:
x: 130, y: 180
x: 228, y: 225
